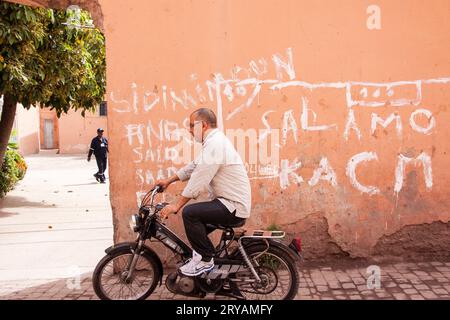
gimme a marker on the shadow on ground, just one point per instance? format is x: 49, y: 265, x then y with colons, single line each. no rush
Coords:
x: 80, y: 184
x: 20, y: 202
x: 7, y: 214
x: 15, y: 202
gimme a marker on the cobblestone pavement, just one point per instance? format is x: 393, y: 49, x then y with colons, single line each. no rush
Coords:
x: 57, y: 223
x: 399, y: 281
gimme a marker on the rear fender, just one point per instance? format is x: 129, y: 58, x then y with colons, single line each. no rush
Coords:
x: 275, y: 243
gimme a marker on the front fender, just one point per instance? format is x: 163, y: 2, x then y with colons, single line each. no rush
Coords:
x: 119, y: 247
x: 128, y: 246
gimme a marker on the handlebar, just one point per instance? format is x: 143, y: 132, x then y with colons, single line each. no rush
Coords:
x: 156, y: 190
x: 150, y: 196
x: 149, y: 199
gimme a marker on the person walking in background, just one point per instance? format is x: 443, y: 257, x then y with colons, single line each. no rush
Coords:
x: 99, y: 147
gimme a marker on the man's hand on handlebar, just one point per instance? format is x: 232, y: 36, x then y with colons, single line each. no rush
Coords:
x: 164, y: 183
x: 168, y: 210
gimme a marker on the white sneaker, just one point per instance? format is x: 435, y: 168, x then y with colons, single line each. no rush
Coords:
x: 194, y: 268
x: 196, y: 258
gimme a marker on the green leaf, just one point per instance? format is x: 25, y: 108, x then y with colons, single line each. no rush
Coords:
x: 48, y: 63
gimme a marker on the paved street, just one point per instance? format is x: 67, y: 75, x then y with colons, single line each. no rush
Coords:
x: 400, y: 281
x: 55, y: 225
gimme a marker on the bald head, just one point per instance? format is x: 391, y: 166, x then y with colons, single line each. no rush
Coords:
x: 207, y: 115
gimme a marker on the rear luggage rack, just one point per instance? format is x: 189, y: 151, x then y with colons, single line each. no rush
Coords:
x: 263, y: 234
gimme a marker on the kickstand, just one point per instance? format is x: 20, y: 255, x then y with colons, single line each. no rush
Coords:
x: 235, y: 292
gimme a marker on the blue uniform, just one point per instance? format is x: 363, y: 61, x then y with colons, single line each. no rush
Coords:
x: 99, y: 147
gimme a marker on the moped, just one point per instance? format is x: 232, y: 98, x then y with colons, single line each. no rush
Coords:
x: 251, y: 265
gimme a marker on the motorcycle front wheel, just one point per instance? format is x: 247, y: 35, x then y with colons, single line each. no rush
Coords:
x: 111, y: 280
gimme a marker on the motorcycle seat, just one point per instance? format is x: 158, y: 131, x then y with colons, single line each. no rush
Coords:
x: 211, y: 226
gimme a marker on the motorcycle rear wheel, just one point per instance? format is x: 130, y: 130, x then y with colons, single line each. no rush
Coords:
x: 277, y: 270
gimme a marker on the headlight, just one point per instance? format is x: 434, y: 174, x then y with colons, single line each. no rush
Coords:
x: 135, y: 222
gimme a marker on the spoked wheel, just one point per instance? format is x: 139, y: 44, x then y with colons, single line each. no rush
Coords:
x: 277, y: 271
x: 111, y: 278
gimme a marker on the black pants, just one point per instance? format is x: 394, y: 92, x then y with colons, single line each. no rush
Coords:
x: 197, y: 215
x: 101, y: 164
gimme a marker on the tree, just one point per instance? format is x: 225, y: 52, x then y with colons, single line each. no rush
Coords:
x: 44, y: 62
